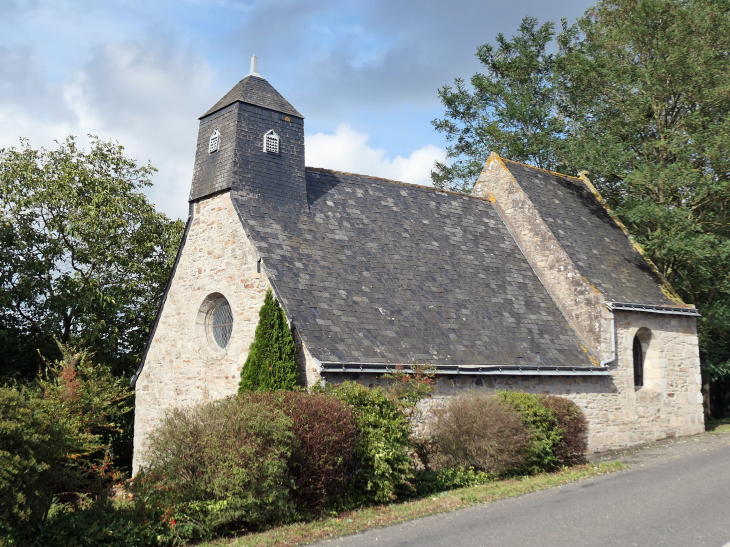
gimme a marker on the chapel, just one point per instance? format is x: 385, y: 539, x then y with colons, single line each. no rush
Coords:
x: 528, y: 283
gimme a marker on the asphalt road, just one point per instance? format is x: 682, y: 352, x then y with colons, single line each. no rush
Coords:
x: 674, y: 494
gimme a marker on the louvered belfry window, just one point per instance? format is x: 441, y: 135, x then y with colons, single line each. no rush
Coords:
x: 271, y: 142
x: 214, y: 142
x: 222, y: 324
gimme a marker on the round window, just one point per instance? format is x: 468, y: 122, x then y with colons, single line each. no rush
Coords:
x: 221, y: 323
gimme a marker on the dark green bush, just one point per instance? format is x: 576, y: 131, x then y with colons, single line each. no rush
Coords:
x: 271, y: 362
x: 32, y: 446
x: 220, y: 467
x: 544, y: 431
x: 55, y: 440
x: 480, y: 431
x: 571, y: 449
x: 449, y: 478
x: 100, y: 523
x: 384, y: 470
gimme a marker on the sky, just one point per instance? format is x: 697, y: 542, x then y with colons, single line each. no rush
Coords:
x: 364, y: 74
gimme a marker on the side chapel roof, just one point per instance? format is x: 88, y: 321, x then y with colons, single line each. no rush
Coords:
x: 377, y: 271
x: 594, y: 241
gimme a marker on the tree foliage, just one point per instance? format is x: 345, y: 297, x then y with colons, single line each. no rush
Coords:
x: 512, y: 109
x: 271, y: 362
x: 84, y: 256
x: 56, y: 439
x: 637, y: 93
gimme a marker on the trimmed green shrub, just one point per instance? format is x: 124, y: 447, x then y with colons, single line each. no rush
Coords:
x: 480, y: 431
x: 220, y: 467
x: 544, y: 431
x: 572, y: 447
x: 271, y: 363
x: 384, y: 470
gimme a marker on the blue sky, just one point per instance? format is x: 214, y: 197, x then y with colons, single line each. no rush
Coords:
x: 364, y: 74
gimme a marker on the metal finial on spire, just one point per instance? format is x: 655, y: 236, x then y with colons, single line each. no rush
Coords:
x: 254, y: 66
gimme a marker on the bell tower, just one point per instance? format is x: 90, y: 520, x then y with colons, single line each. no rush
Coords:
x: 251, y: 142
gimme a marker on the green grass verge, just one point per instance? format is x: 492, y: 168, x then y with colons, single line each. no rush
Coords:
x: 372, y: 517
x: 718, y: 426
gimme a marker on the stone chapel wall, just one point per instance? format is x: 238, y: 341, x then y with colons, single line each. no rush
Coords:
x: 619, y: 415
x: 184, y: 367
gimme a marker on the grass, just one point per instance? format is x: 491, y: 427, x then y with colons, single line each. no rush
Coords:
x: 718, y: 426
x: 372, y: 517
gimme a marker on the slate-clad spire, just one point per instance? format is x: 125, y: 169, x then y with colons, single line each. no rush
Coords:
x: 255, y: 90
x: 238, y: 159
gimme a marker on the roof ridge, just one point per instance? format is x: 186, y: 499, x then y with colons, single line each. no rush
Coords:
x: 541, y: 169
x: 420, y: 186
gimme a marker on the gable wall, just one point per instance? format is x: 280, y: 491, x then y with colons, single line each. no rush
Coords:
x: 183, y: 367
x: 578, y: 300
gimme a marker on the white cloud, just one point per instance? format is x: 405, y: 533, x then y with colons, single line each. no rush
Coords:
x: 147, y: 95
x: 348, y: 150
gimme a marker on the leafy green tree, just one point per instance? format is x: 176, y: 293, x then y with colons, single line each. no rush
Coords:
x: 271, y: 362
x: 511, y: 110
x: 84, y: 256
x: 648, y: 110
x: 637, y: 94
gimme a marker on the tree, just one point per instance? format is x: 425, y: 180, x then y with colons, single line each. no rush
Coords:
x: 271, y: 362
x: 512, y: 110
x: 637, y: 94
x: 84, y: 256
x: 648, y: 110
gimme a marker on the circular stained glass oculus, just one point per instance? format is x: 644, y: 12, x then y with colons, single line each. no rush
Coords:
x: 221, y: 324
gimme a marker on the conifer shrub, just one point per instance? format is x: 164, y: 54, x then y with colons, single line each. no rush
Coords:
x: 271, y: 363
x: 384, y: 469
x: 220, y: 466
x: 571, y: 449
x: 482, y: 432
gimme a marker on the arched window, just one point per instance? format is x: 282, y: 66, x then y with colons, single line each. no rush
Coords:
x: 271, y: 142
x: 214, y: 142
x: 638, y: 351
x: 221, y: 323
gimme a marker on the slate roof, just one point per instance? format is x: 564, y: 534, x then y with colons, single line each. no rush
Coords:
x: 376, y: 271
x: 257, y: 91
x: 594, y: 242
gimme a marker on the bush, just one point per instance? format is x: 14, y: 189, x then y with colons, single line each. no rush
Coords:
x: 323, y: 459
x: 544, y: 431
x: 571, y: 449
x: 480, y: 431
x: 271, y: 362
x: 219, y: 467
x: 31, y: 447
x: 55, y: 440
x: 384, y: 469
